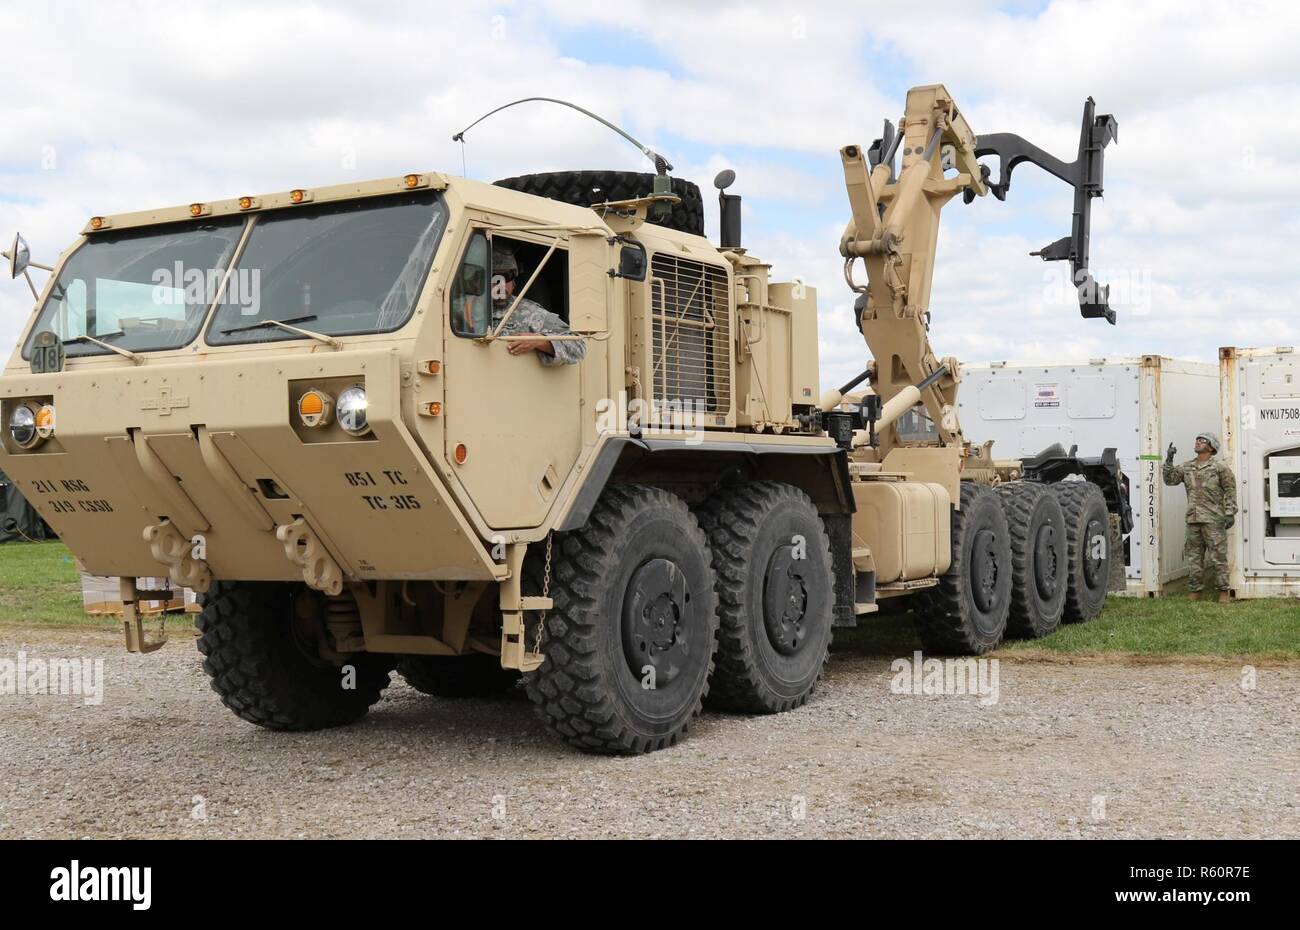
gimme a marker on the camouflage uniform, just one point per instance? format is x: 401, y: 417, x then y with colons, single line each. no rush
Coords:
x: 1211, y: 502
x: 532, y: 317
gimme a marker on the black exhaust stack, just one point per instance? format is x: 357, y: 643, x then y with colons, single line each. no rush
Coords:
x: 728, y: 210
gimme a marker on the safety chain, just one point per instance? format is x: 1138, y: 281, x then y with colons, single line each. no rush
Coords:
x: 546, y: 592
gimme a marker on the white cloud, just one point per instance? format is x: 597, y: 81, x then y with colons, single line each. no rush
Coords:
x: 152, y: 104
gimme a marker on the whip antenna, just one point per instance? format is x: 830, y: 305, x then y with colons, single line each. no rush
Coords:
x: 662, y: 167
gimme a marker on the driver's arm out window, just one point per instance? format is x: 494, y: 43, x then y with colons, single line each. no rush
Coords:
x: 471, y: 304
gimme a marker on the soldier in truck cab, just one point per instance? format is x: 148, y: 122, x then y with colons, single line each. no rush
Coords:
x: 529, y: 317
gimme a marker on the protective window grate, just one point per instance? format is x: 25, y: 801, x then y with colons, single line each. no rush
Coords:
x: 690, y: 340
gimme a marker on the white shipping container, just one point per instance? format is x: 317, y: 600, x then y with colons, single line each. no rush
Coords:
x: 1135, y: 405
x: 102, y: 594
x: 1261, y: 437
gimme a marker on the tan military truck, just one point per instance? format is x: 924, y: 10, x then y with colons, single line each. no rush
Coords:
x: 306, y: 406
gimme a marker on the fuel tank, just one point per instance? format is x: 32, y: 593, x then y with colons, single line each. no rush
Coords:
x: 906, y: 525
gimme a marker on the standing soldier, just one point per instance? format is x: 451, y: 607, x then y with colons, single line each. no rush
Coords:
x: 1211, y: 511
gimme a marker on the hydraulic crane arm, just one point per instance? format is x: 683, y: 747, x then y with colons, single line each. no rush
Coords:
x: 1084, y: 174
x: 894, y: 231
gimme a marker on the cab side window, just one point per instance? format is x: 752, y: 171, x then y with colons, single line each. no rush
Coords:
x: 550, y: 286
x: 471, y: 297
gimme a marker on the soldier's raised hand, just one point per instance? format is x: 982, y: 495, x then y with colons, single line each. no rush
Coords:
x: 1169, y: 455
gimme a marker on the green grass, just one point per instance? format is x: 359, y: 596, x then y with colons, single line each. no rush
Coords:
x: 1261, y: 628
x: 39, y: 586
x: 1171, y: 626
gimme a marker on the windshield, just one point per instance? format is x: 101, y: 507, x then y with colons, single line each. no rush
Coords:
x: 338, y: 269
x: 141, y: 290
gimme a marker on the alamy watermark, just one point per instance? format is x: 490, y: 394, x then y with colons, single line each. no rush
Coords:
x: 181, y: 286
x: 667, y: 415
x: 77, y: 882
x: 918, y: 675
x: 1127, y: 288
x: 27, y: 677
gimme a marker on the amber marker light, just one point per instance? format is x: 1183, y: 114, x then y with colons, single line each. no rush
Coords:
x: 314, y: 408
x: 96, y: 222
x: 412, y: 180
x: 462, y: 453
x: 435, y: 409
x: 45, y: 421
x: 297, y: 195
x: 196, y: 209
x: 245, y: 203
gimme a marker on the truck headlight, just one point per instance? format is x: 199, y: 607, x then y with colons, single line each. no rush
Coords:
x: 351, y: 411
x: 22, y: 426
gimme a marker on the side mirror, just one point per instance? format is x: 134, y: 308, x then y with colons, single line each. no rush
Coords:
x: 633, y: 262
x: 589, y: 280
x: 20, y: 256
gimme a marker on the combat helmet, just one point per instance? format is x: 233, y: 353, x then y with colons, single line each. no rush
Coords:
x: 1211, y: 438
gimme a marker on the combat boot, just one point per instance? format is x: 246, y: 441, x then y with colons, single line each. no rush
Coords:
x: 1194, y: 596
x: 1225, y: 597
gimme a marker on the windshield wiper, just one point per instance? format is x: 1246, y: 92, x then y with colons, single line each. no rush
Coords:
x: 287, y: 326
x: 263, y: 323
x: 104, y: 345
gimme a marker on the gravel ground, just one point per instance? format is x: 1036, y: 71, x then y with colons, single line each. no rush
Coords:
x: 1090, y: 748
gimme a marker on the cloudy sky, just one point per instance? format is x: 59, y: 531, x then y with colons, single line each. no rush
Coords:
x: 115, y: 106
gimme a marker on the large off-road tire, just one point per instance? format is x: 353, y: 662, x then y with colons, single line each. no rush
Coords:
x: 1038, y: 558
x: 584, y: 188
x: 966, y: 612
x: 263, y: 664
x: 1087, y: 534
x: 776, y: 594
x: 629, y: 643
x: 476, y: 675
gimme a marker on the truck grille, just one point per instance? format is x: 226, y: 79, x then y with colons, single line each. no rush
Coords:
x: 690, y: 342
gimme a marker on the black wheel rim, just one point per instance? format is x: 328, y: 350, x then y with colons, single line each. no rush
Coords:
x: 1047, y: 562
x: 1094, y: 556
x: 984, y: 571
x: 785, y: 601
x: 657, y: 621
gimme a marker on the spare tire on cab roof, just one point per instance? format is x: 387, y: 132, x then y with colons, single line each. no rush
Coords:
x: 584, y: 188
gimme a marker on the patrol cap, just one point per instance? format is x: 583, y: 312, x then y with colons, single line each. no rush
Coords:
x: 1211, y: 438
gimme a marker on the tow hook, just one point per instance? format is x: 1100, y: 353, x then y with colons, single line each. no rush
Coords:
x: 303, y: 548
x: 173, y: 550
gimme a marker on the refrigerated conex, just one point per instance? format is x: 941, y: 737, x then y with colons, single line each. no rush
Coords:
x: 1261, y: 437
x: 1135, y: 405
